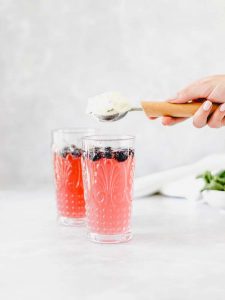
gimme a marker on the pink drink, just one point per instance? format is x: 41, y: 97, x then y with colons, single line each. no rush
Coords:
x: 69, y: 183
x: 108, y: 193
x: 67, y: 154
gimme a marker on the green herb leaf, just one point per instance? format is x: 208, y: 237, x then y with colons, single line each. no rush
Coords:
x: 213, y: 182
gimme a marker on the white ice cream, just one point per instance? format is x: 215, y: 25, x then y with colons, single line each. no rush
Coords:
x: 108, y: 104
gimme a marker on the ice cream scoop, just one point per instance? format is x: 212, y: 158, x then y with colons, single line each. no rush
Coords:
x: 111, y: 107
x: 116, y: 116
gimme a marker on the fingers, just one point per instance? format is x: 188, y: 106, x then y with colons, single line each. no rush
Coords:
x: 199, y: 89
x: 169, y: 121
x: 211, y: 88
x: 217, y: 119
x: 218, y: 93
x: 201, y: 116
x: 192, y: 92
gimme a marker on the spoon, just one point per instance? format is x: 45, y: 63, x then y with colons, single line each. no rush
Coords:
x: 115, y: 117
x: 158, y: 109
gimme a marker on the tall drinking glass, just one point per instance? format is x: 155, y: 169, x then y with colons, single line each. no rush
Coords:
x: 67, y: 152
x: 108, y: 168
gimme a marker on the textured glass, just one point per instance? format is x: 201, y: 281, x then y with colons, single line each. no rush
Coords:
x: 108, y: 183
x: 67, y: 153
x: 69, y: 186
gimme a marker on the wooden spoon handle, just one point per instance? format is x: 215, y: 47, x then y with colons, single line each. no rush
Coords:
x: 159, y: 109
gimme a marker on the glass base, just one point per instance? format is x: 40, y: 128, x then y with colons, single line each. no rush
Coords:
x: 109, y: 238
x: 73, y: 222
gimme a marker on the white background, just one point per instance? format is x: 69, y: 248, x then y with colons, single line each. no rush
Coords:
x: 55, y: 54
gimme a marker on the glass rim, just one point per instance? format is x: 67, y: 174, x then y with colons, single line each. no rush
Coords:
x: 108, y: 138
x: 72, y: 130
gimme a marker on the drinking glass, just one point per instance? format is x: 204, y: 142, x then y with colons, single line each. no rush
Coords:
x: 108, y: 168
x: 67, y: 152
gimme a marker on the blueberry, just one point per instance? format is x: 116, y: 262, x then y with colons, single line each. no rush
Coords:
x: 96, y: 156
x: 108, y: 155
x: 108, y: 149
x: 108, y: 152
x: 65, y: 151
x: 121, y: 156
x: 76, y: 152
x: 72, y: 149
x: 131, y: 152
x: 97, y: 149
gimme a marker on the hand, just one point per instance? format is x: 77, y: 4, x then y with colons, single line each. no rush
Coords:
x: 210, y: 88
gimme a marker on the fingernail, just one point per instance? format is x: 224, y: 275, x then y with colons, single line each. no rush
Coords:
x: 222, y: 107
x: 207, y: 105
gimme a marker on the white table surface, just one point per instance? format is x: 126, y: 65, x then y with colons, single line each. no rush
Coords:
x: 178, y: 252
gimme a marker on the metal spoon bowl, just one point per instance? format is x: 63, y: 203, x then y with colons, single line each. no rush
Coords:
x: 115, y: 117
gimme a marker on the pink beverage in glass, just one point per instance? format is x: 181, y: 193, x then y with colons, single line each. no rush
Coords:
x: 68, y: 175
x: 108, y: 164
